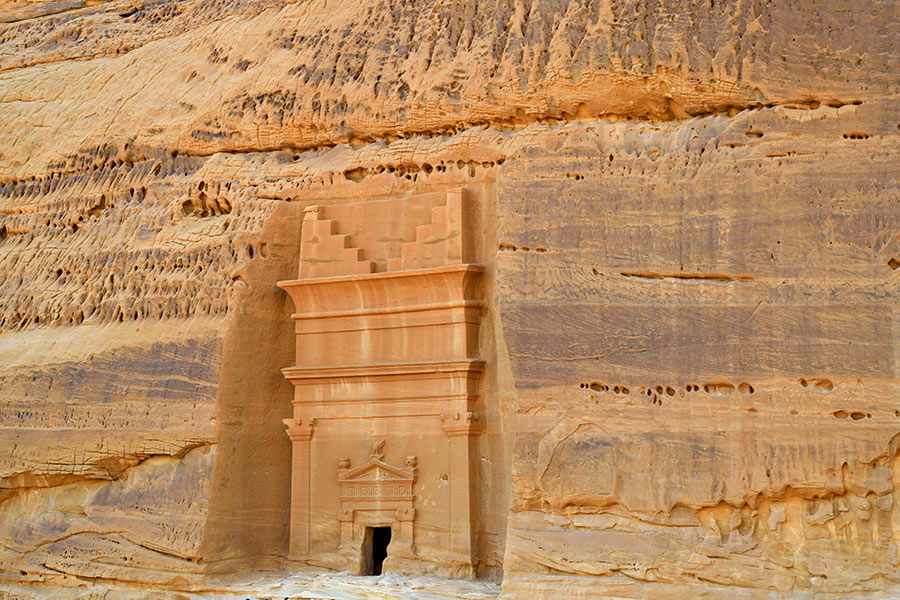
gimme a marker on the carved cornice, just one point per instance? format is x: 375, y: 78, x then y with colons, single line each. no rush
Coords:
x: 386, y: 290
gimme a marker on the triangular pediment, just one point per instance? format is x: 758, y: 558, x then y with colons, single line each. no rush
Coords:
x: 376, y: 470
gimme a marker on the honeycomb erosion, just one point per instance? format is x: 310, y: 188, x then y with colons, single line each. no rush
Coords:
x: 687, y: 213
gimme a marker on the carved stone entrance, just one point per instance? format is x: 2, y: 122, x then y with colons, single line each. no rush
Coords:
x: 376, y: 548
x: 374, y: 496
x: 387, y: 351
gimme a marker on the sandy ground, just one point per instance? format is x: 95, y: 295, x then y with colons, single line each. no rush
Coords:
x: 321, y: 586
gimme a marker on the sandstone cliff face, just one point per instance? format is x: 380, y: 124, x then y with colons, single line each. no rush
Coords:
x: 689, y: 215
x: 703, y: 349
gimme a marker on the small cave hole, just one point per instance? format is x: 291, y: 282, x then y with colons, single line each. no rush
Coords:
x: 355, y: 175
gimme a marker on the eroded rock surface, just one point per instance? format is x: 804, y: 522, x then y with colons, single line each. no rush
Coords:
x: 702, y: 348
x: 688, y: 216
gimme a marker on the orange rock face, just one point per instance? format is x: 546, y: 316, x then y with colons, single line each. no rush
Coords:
x: 596, y: 298
x: 388, y: 349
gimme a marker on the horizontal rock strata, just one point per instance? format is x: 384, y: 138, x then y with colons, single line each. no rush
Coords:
x: 687, y: 215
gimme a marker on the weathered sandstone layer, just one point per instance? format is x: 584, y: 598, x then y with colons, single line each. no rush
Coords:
x: 689, y: 221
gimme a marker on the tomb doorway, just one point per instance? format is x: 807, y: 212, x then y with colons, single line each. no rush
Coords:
x: 374, y: 549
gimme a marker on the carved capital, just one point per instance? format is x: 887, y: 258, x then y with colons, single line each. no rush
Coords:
x: 345, y: 515
x: 406, y: 514
x: 299, y: 430
x: 462, y: 424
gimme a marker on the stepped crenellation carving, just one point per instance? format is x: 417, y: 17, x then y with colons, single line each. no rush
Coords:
x: 326, y: 252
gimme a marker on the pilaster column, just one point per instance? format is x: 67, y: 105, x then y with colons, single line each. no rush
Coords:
x: 300, y: 431
x: 462, y: 428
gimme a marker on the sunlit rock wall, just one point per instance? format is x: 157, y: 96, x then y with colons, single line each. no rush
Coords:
x: 701, y: 323
x: 691, y: 211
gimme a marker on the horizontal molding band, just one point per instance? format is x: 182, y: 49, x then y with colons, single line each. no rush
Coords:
x: 428, y: 400
x: 406, y: 498
x: 385, y: 327
x: 474, y: 268
x: 385, y: 369
x: 367, y: 417
x: 388, y: 310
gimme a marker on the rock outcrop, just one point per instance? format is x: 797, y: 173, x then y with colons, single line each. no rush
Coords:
x: 687, y: 215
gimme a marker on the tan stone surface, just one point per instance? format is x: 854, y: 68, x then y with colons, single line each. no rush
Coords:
x: 687, y: 217
x: 704, y: 351
x: 388, y: 353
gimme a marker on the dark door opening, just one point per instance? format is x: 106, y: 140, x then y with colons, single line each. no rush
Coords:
x: 375, y: 551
